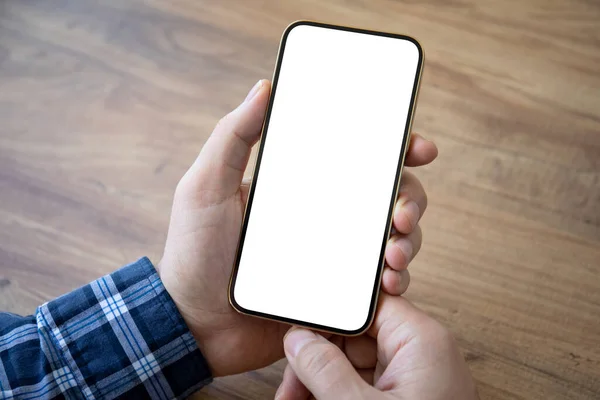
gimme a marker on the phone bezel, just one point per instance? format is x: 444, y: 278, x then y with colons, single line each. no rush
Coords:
x: 408, y: 125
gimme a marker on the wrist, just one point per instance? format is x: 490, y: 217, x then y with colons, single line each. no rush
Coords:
x: 196, y: 320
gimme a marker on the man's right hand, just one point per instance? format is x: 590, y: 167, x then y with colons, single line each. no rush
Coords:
x: 405, y: 355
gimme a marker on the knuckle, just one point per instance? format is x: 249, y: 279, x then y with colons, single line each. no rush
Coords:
x: 413, y: 188
x: 222, y: 123
x: 436, y: 333
x: 424, y: 200
x: 182, y: 188
x: 417, y: 239
x: 408, y: 176
x: 318, y: 360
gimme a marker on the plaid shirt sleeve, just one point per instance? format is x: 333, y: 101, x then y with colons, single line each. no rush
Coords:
x: 118, y: 337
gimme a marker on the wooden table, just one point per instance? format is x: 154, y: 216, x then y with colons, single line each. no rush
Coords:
x: 103, y: 105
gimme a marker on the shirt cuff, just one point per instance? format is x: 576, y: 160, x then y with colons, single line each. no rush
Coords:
x: 122, y: 334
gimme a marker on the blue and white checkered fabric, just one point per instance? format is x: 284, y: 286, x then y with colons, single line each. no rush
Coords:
x: 118, y: 337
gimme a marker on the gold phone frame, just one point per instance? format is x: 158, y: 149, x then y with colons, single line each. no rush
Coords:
x: 405, y: 145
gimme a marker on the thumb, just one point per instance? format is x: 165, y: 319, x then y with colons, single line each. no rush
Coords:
x: 220, y: 166
x: 322, y: 367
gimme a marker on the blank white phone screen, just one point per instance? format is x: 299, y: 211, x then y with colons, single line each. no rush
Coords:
x: 317, y: 222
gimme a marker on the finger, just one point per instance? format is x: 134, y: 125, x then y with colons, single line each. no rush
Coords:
x: 396, y: 323
x: 420, y: 151
x: 291, y: 388
x: 219, y: 168
x: 402, y: 331
x: 361, y: 351
x: 391, y: 327
x: 395, y: 283
x: 322, y: 366
x: 411, y: 203
x: 402, y: 249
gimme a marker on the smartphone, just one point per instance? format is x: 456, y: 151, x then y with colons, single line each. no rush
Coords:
x: 320, y: 208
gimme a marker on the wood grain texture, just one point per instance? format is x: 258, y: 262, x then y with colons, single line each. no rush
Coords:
x: 103, y: 105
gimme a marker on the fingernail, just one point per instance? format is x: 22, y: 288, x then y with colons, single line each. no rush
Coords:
x: 253, y: 91
x: 296, y: 339
x: 405, y: 247
x: 411, y: 211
